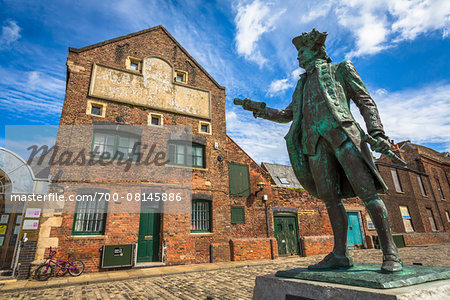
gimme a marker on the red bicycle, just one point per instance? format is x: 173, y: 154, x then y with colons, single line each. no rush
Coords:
x: 46, y: 270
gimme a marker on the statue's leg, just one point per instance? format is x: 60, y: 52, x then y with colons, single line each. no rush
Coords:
x: 363, y: 184
x: 324, y: 169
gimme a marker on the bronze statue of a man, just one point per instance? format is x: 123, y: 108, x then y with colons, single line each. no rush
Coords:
x: 328, y: 149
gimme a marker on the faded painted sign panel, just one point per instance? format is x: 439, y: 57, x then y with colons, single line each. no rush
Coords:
x: 155, y: 88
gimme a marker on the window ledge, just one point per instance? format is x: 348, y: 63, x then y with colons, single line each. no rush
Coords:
x: 201, y: 233
x: 87, y: 236
x: 186, y: 167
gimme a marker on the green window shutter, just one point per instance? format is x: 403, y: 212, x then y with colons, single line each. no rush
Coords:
x: 237, y: 215
x: 239, y: 180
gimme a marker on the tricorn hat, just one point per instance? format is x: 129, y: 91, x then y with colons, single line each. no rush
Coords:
x: 309, y: 40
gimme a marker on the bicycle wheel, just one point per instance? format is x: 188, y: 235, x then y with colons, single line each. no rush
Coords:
x: 78, y: 266
x: 42, y: 273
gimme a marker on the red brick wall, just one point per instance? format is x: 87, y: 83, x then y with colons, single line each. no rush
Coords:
x: 313, y: 245
x: 413, y: 239
x: 253, y: 248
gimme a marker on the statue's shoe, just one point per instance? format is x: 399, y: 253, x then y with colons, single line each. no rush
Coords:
x: 333, y: 261
x: 391, y: 263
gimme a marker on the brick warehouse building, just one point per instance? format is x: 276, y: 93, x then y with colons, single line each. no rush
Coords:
x: 417, y: 199
x: 228, y: 220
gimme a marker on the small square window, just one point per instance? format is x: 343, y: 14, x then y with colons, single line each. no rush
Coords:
x: 155, y: 119
x: 181, y: 76
x: 204, y: 127
x: 96, y: 110
x: 134, y: 66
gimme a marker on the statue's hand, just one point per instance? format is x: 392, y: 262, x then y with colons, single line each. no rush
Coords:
x: 382, y: 144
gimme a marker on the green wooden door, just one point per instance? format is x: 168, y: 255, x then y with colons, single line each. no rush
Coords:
x: 286, y: 233
x: 148, y: 243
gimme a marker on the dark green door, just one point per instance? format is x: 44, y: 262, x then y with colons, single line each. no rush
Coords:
x: 286, y: 233
x: 148, y: 243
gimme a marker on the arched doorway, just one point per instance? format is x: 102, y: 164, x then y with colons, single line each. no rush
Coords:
x: 16, y: 177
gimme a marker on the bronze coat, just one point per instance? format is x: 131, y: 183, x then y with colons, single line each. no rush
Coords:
x: 338, y: 84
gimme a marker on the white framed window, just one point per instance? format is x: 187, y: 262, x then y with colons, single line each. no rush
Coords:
x: 133, y: 63
x: 396, y: 179
x: 155, y: 119
x: 448, y: 216
x: 422, y: 188
x: 370, y: 224
x: 438, y: 184
x: 204, y: 127
x: 431, y: 218
x: 406, y: 219
x: 90, y: 216
x: 186, y: 154
x: 115, y: 145
x: 95, y: 108
x: 181, y: 76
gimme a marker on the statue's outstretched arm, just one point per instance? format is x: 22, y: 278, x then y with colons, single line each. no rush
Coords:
x: 276, y: 115
x: 259, y: 109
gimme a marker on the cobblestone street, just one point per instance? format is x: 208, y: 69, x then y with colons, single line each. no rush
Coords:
x: 232, y: 283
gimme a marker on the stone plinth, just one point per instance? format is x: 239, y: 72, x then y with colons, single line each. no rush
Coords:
x: 370, y: 275
x: 270, y: 287
x: 363, y: 281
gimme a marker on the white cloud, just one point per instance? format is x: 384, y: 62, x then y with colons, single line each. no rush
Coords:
x: 419, y: 16
x: 420, y: 115
x: 367, y: 27
x: 25, y: 90
x: 10, y: 33
x: 263, y: 140
x: 281, y: 85
x: 377, y: 25
x: 253, y: 20
x: 367, y: 22
x: 316, y: 11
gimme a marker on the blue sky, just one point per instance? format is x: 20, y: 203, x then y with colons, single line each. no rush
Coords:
x: 400, y: 48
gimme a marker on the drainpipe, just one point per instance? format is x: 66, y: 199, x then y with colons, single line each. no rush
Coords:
x: 265, y: 198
